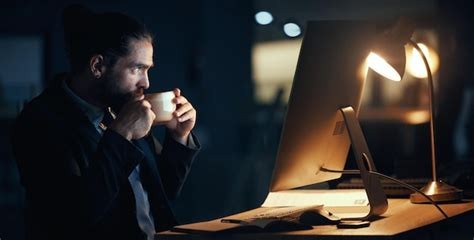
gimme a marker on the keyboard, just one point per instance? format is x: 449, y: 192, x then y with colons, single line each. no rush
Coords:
x: 390, y: 188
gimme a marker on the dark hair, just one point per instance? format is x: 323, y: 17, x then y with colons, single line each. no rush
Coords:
x: 87, y: 33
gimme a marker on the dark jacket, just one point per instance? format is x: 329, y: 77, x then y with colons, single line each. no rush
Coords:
x: 76, y: 180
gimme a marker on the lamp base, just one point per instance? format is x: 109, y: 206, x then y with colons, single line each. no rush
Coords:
x: 438, y: 191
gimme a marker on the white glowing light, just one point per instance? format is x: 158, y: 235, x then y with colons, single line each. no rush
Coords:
x: 263, y: 18
x: 292, y: 29
x: 415, y: 64
x: 381, y: 66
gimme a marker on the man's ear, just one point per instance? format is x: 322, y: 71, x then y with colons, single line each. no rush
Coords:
x: 97, y: 66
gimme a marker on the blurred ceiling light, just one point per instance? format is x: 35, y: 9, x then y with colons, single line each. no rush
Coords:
x: 292, y: 29
x: 415, y: 65
x: 263, y: 17
x: 381, y: 66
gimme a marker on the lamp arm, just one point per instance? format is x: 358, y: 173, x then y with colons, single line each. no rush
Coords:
x: 432, y: 103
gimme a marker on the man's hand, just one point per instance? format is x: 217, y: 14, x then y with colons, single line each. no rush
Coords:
x: 134, y: 120
x: 184, y: 118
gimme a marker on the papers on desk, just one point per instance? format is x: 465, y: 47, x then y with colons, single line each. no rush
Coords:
x: 258, y: 220
x: 288, y: 213
x: 328, y: 198
x: 277, y: 216
x: 342, y: 203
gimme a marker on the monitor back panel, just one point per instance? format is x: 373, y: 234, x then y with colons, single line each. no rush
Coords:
x: 330, y: 74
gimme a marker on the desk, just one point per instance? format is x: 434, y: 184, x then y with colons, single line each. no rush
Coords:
x: 402, y: 220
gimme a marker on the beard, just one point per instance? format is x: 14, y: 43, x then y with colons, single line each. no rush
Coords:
x: 115, y: 96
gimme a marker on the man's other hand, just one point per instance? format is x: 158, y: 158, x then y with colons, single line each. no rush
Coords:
x: 184, y: 118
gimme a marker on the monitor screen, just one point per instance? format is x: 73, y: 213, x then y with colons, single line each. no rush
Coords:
x: 330, y: 75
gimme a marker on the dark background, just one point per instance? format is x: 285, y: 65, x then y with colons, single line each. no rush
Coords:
x: 204, y: 48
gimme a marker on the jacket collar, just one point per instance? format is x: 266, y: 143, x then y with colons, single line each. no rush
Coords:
x: 75, y: 115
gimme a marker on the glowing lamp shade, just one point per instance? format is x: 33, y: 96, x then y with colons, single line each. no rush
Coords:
x: 415, y: 64
x: 382, y: 67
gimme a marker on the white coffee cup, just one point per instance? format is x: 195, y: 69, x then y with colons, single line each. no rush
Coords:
x: 162, y: 105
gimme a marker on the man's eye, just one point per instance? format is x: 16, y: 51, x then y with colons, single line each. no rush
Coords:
x: 136, y: 70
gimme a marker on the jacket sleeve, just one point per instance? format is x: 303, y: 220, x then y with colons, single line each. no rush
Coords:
x: 66, y: 183
x: 174, y: 163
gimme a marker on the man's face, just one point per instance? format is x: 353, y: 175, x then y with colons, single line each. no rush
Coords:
x: 128, y: 77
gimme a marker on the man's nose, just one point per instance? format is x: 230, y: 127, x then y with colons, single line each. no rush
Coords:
x: 144, y: 82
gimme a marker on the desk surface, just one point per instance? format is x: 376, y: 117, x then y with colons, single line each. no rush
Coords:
x: 401, y: 216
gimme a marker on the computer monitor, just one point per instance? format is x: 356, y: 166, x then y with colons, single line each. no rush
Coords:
x: 317, y: 134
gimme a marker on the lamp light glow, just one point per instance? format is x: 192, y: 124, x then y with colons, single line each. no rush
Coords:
x: 415, y: 64
x: 382, y: 67
x: 417, y: 117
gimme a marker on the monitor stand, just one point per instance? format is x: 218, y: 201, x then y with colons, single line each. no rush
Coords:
x: 377, y: 199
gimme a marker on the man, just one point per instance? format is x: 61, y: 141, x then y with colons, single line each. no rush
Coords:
x: 90, y: 166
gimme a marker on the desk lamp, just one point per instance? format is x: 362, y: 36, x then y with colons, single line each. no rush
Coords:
x: 388, y: 59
